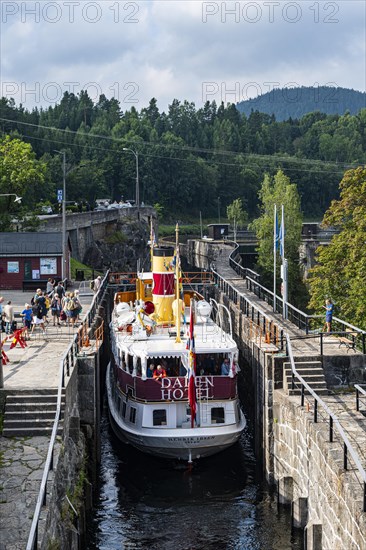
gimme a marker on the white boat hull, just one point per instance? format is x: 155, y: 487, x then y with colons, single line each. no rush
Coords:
x: 180, y: 443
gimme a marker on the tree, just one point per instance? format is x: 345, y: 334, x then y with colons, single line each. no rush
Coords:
x: 236, y: 215
x: 341, y: 269
x: 20, y: 173
x: 277, y: 191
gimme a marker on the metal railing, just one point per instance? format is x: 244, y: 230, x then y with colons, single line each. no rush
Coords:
x: 360, y: 394
x: 335, y: 428
x: 269, y: 329
x: 67, y: 363
x: 299, y: 318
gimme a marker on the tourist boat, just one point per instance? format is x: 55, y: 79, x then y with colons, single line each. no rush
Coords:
x: 194, y: 410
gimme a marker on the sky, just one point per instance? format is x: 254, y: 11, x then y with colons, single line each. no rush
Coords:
x: 188, y: 50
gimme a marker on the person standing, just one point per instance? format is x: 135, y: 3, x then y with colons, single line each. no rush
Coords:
x: 225, y: 367
x: 329, y: 307
x: 97, y: 283
x: 1, y: 314
x: 8, y: 317
x: 27, y: 318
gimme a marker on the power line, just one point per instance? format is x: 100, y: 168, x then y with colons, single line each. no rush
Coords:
x: 251, y: 156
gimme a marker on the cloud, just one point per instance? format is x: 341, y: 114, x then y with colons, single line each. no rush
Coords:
x: 170, y: 49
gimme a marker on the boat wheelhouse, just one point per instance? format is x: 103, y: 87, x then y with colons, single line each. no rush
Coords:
x: 191, y: 409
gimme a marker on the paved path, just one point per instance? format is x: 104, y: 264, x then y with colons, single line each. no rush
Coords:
x: 343, y: 405
x: 302, y: 346
x: 22, y: 459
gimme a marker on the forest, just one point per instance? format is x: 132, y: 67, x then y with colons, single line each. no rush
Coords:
x: 297, y: 101
x: 191, y: 160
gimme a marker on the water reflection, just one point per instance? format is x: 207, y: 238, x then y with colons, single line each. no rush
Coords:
x: 149, y: 503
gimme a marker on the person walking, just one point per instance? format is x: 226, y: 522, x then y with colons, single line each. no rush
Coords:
x: 8, y: 313
x: 56, y: 309
x: 329, y: 307
x: 1, y: 314
x: 27, y: 318
x: 97, y: 283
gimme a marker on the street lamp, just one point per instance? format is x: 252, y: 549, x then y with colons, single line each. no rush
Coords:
x: 64, y: 252
x: 17, y: 199
x: 135, y: 153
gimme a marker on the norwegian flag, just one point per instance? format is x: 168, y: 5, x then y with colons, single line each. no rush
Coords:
x: 192, y: 368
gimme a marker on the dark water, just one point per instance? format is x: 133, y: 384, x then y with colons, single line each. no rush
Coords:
x: 147, y: 503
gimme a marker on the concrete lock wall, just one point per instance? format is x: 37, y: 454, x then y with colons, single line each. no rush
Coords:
x: 309, y: 471
x: 296, y: 454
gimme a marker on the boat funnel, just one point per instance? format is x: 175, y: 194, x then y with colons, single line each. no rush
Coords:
x: 163, y: 292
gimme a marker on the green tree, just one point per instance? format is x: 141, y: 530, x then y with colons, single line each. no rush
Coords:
x: 277, y: 191
x: 20, y: 173
x: 236, y: 215
x: 341, y: 269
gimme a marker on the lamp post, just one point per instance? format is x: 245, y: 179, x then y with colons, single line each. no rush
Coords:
x: 64, y: 252
x: 17, y: 199
x: 137, y: 192
x: 218, y: 206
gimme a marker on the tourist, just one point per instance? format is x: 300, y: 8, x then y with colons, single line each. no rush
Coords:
x: 159, y: 373
x: 59, y: 289
x: 1, y: 314
x: 56, y: 309
x: 150, y: 370
x: 328, y: 314
x: 8, y: 313
x: 97, y: 283
x: 225, y: 367
x: 79, y: 307
x: 38, y: 320
x: 40, y: 300
x: 50, y: 287
x: 27, y: 318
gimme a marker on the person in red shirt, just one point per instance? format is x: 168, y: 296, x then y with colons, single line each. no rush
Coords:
x: 159, y: 373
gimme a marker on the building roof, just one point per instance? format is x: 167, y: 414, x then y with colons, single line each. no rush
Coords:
x: 30, y: 244
x: 218, y: 225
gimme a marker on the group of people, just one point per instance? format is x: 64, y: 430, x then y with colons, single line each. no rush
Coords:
x: 64, y: 307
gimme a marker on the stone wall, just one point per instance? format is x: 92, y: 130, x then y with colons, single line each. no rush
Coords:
x: 310, y: 475
x: 295, y: 452
x: 76, y: 466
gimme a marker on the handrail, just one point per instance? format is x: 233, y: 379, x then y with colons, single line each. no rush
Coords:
x: 359, y: 389
x: 246, y: 304
x: 67, y: 363
x: 296, y: 316
x: 334, y: 422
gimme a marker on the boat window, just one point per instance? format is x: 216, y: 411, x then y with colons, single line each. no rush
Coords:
x: 217, y: 415
x: 159, y: 417
x: 123, y: 409
x: 133, y: 415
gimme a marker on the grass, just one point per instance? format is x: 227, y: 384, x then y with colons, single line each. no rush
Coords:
x: 88, y: 271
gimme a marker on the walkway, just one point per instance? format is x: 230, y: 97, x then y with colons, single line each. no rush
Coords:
x: 342, y: 404
x: 22, y: 459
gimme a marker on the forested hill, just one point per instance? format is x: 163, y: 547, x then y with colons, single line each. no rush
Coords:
x: 190, y: 159
x: 285, y: 103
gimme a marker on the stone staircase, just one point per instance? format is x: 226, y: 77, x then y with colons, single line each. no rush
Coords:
x: 31, y: 413
x: 313, y: 374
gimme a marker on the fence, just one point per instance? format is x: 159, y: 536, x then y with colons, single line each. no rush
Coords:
x: 67, y: 363
x: 303, y: 321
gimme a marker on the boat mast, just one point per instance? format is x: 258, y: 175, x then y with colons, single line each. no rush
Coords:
x: 177, y: 268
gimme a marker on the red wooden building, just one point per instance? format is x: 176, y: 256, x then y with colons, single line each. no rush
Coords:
x: 28, y: 260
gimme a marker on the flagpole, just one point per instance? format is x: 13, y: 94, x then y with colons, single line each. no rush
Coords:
x: 151, y: 242
x: 274, y: 256
x: 177, y: 268
x: 284, y: 266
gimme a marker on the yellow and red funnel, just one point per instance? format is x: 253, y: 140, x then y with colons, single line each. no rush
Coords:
x: 163, y: 291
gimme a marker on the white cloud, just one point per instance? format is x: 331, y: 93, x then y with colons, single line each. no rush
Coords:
x: 168, y: 49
